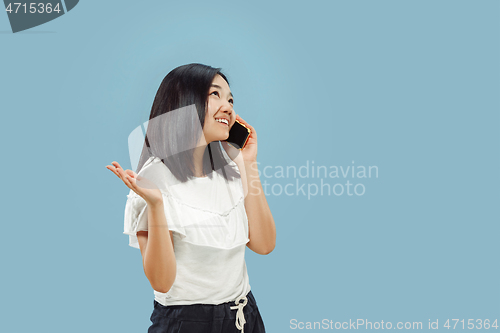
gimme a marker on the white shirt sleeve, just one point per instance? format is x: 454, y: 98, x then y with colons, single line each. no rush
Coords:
x: 136, y: 217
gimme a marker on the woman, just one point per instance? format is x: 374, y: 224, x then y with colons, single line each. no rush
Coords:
x: 194, y: 206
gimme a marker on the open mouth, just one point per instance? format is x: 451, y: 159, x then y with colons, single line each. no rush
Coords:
x: 222, y: 121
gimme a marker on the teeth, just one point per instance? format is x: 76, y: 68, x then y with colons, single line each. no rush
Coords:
x: 220, y: 120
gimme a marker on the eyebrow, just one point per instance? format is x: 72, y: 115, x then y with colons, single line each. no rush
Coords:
x: 217, y: 86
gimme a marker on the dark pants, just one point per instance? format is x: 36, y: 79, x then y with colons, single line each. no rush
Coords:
x: 205, y: 318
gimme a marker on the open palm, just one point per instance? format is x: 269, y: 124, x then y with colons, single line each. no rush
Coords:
x: 140, y: 185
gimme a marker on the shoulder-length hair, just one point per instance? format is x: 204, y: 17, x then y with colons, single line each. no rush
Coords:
x: 176, y: 123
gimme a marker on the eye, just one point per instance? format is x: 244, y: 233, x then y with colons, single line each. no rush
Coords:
x: 217, y: 93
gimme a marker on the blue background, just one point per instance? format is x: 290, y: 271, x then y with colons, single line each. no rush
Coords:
x: 411, y: 87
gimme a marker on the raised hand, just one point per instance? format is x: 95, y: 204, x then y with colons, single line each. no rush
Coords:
x: 249, y: 152
x: 140, y: 185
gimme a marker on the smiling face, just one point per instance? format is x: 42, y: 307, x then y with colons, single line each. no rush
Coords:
x: 220, y: 115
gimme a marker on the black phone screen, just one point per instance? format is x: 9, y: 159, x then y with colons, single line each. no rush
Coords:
x: 238, y: 135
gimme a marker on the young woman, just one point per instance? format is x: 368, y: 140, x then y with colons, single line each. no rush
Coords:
x: 195, y: 203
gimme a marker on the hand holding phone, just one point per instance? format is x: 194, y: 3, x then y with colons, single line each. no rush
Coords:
x: 238, y: 135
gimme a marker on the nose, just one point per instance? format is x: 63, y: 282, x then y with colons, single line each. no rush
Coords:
x: 226, y: 107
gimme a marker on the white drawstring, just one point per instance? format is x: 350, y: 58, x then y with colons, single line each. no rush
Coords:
x: 240, y: 318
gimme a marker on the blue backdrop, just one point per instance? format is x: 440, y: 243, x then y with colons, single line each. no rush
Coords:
x: 408, y: 88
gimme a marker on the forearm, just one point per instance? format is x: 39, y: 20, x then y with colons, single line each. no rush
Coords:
x: 159, y: 260
x: 262, y: 229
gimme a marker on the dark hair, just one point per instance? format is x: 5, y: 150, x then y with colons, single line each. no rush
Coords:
x: 172, y: 136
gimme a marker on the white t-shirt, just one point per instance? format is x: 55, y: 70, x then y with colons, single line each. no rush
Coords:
x: 210, y: 233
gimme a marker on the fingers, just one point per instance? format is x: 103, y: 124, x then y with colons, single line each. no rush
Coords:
x: 112, y: 169
x: 245, y: 123
x: 130, y: 173
x: 125, y: 175
x: 117, y: 165
x: 241, y: 120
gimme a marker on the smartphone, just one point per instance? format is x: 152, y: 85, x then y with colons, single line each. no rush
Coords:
x: 238, y: 135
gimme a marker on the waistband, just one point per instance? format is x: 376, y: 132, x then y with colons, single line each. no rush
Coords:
x: 211, y: 312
